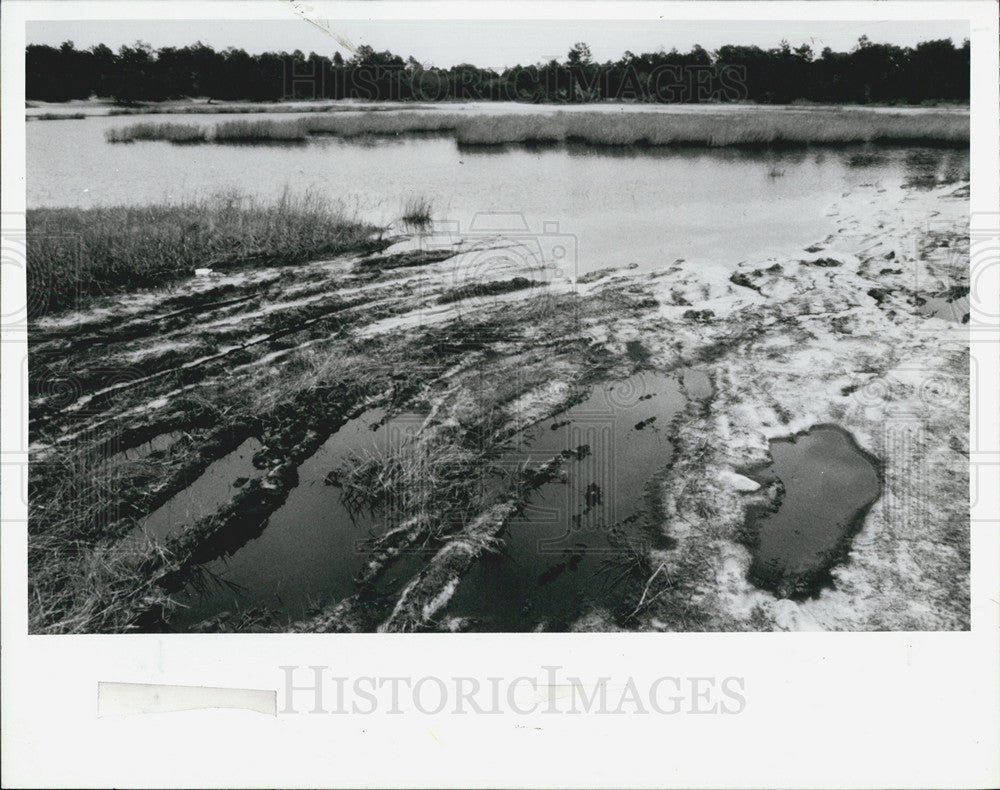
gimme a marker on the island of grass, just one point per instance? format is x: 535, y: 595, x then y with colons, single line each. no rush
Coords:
x: 730, y: 127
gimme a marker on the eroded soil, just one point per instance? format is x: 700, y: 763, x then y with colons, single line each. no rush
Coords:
x: 134, y: 400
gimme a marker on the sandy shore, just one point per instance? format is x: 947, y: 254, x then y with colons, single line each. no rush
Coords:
x: 831, y: 336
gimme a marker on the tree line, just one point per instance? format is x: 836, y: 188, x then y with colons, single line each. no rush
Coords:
x: 932, y: 71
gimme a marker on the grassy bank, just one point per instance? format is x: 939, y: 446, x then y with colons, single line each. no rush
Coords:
x: 757, y: 128
x: 75, y: 254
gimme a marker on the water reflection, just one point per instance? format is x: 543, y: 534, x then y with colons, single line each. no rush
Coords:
x: 643, y: 204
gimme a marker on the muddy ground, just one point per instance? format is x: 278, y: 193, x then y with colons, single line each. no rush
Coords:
x: 133, y: 399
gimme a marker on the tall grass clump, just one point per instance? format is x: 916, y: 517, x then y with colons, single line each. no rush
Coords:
x: 417, y: 210
x: 290, y: 131
x: 438, y: 483
x: 76, y: 587
x: 76, y: 254
x: 82, y: 578
x: 172, y: 132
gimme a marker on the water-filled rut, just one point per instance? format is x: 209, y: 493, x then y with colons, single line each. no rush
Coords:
x: 313, y: 545
x: 572, y: 544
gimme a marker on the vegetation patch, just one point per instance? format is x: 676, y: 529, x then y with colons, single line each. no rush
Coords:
x: 77, y: 254
x: 56, y: 116
x: 493, y: 288
x: 759, y: 128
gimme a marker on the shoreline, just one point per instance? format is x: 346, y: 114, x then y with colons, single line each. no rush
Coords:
x: 201, y: 105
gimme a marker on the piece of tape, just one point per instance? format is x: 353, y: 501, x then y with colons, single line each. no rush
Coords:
x: 123, y: 699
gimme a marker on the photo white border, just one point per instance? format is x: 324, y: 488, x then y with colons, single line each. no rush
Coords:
x: 822, y: 709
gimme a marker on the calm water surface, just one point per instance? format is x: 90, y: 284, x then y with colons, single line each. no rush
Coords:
x: 601, y: 207
x: 829, y: 485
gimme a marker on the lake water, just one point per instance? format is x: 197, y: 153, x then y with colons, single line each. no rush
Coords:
x: 599, y: 207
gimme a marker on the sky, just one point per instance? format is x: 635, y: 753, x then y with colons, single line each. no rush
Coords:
x: 487, y: 43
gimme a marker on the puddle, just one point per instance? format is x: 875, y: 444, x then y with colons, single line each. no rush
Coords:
x: 956, y: 309
x: 157, y: 444
x: 559, y: 555
x: 697, y: 384
x: 204, y: 496
x: 312, y: 546
x: 573, y: 538
x: 829, y: 485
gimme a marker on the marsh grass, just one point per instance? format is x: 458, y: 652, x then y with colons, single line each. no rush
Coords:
x: 435, y: 483
x: 76, y: 588
x: 257, y: 131
x: 56, y: 116
x: 771, y: 128
x: 441, y: 479
x: 83, y: 577
x: 172, y: 132
x: 256, y: 109
x: 383, y: 124
x: 417, y: 211
x: 77, y: 254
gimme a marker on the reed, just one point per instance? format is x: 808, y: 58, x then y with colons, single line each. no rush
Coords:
x: 256, y: 131
x: 417, y: 211
x: 77, y: 254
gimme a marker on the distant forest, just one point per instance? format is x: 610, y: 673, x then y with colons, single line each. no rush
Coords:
x: 933, y: 71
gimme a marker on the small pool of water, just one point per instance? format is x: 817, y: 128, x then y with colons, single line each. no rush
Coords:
x: 829, y: 485
x: 313, y: 546
x: 158, y: 444
x: 214, y: 488
x: 955, y: 310
x: 563, y: 554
